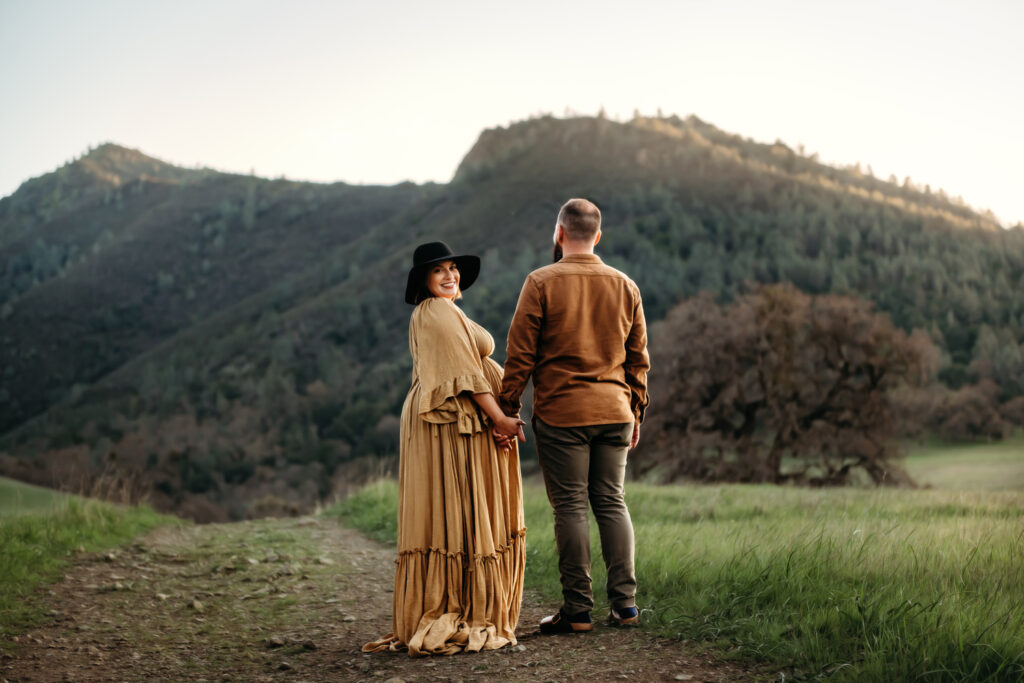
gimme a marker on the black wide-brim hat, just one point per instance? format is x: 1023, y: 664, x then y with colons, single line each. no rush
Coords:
x: 430, y: 253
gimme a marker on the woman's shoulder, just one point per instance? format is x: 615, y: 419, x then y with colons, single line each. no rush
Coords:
x: 436, y: 310
x: 435, y: 305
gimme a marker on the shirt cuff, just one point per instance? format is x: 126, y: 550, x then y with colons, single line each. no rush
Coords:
x: 639, y: 409
x: 510, y: 406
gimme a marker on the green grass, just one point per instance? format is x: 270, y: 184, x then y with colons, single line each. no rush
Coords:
x: 862, y: 585
x: 17, y: 498
x: 42, y: 531
x: 997, y: 466
x: 848, y: 585
x: 374, y: 511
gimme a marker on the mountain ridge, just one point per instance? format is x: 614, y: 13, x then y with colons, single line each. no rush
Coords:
x: 258, y: 341
x: 498, y: 144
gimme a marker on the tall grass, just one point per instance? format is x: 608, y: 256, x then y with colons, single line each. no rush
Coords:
x: 35, y: 546
x: 840, y: 584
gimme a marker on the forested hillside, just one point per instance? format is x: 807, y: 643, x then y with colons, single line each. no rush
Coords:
x: 240, y: 344
x: 116, y: 252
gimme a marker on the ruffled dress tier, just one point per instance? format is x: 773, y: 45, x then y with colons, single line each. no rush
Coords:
x: 461, y: 534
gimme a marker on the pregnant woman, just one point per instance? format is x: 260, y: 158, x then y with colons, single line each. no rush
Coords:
x: 461, y: 537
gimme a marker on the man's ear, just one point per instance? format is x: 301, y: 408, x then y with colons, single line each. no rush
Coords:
x: 597, y: 237
x: 559, y: 235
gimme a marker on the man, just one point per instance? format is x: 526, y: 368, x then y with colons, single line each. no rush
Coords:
x: 579, y: 331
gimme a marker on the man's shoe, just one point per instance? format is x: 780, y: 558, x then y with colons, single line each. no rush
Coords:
x: 566, y: 623
x: 627, y: 616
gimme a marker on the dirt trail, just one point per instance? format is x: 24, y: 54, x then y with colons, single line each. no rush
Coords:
x: 290, y: 600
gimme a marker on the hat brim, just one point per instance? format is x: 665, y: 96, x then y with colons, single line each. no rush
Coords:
x: 469, y: 270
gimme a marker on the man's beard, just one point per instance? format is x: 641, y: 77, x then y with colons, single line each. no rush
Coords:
x: 556, y: 253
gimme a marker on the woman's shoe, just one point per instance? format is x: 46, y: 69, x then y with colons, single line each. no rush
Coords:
x: 566, y: 623
x: 627, y: 616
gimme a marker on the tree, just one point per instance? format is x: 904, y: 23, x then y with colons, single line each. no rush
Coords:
x: 969, y: 413
x: 777, y: 387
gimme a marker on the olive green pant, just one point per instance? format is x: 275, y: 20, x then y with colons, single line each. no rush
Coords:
x: 582, y: 464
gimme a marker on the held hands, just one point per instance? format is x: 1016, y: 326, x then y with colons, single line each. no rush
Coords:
x: 507, y: 428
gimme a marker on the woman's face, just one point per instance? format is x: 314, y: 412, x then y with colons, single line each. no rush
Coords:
x: 443, y: 279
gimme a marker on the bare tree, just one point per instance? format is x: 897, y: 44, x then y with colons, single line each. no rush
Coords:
x: 778, y: 387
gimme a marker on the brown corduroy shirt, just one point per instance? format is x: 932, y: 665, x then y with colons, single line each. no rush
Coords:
x: 579, y: 330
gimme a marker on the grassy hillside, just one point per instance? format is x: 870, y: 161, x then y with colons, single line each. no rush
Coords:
x: 239, y: 344
x: 17, y: 498
x: 849, y: 585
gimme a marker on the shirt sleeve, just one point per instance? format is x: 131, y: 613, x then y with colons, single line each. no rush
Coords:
x: 637, y: 362
x: 447, y: 364
x: 521, y: 349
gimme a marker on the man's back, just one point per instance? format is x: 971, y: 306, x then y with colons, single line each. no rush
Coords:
x: 579, y: 329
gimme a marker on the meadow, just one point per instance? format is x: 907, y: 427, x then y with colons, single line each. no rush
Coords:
x: 41, y: 530
x: 838, y: 584
x: 995, y: 466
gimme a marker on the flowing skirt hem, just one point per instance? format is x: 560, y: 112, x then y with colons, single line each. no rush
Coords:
x: 470, y: 608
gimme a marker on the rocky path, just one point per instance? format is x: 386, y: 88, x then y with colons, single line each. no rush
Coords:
x: 290, y: 600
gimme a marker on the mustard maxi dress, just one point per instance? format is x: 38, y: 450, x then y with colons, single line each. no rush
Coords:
x: 461, y: 535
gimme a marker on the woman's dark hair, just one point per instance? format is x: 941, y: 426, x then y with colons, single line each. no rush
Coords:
x: 422, y: 292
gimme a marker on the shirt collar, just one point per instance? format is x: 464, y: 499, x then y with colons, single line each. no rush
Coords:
x: 582, y: 258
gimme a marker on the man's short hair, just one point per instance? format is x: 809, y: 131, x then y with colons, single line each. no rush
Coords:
x: 580, y: 218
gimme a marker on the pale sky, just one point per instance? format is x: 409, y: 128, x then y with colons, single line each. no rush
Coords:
x: 382, y: 91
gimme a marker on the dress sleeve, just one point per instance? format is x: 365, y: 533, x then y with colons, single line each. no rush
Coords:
x: 448, y: 365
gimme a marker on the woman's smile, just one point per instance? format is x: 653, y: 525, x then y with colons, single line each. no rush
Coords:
x: 443, y: 280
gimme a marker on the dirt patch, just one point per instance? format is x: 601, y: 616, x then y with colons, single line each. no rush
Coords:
x: 291, y: 600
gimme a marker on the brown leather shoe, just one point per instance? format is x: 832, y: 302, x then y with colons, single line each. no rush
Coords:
x: 566, y: 623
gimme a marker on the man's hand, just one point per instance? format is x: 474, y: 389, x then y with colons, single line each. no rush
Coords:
x: 636, y: 435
